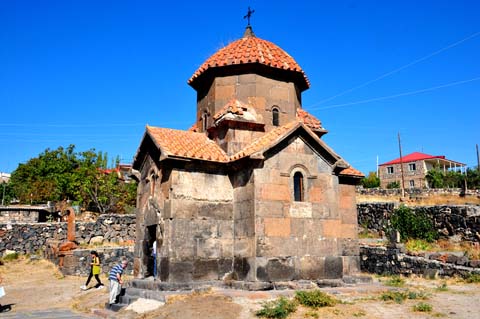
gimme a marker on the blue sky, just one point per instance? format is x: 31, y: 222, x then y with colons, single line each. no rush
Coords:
x: 94, y: 73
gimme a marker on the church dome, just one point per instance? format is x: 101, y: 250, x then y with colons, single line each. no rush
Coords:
x: 251, y: 50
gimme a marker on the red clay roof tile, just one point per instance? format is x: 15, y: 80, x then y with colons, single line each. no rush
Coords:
x: 186, y: 144
x: 309, y: 120
x: 350, y: 171
x: 251, y: 49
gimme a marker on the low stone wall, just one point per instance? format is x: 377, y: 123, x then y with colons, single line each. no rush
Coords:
x: 391, y: 261
x: 417, y: 191
x: 31, y: 237
x: 461, y: 221
x: 77, y: 262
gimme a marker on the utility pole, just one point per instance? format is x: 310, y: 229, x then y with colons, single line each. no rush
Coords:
x: 3, y: 197
x: 401, y: 166
x: 478, y: 160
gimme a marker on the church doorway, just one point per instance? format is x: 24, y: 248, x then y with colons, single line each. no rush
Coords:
x: 151, y: 250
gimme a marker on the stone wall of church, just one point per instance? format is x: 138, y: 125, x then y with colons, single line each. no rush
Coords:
x: 244, y: 223
x: 198, y: 227
x: 314, y: 238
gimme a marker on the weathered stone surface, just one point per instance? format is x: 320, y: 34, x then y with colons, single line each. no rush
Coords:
x: 333, y: 267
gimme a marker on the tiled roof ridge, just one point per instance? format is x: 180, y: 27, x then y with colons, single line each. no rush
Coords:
x: 233, y: 106
x: 265, y: 141
x: 350, y: 171
x: 308, y: 119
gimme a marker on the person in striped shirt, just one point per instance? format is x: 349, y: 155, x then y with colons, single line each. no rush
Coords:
x: 116, y: 281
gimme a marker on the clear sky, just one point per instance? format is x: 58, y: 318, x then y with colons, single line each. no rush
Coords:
x: 94, y: 73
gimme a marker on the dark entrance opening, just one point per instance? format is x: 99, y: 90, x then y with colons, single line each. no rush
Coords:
x: 151, y: 250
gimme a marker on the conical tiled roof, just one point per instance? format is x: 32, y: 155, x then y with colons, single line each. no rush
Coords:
x: 251, y: 49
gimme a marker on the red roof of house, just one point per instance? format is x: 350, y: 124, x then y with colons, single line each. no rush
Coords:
x: 251, y: 49
x: 413, y: 157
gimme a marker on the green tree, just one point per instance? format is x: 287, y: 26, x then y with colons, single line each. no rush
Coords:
x: 7, y: 193
x: 435, y: 178
x: 83, y: 177
x: 371, y: 181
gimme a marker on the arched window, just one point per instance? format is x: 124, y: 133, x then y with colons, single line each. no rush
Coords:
x: 298, y: 191
x: 204, y: 121
x: 275, y: 117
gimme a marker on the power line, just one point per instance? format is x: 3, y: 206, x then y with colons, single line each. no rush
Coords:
x: 396, y: 95
x: 398, y: 69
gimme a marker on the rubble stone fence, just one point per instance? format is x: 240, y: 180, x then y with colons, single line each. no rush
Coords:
x: 417, y: 192
x: 392, y: 261
x: 460, y: 222
x: 29, y: 238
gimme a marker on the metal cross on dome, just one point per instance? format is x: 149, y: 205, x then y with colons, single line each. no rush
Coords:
x: 248, y: 15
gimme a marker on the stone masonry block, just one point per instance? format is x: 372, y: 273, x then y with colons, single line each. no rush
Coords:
x: 275, y: 192
x: 279, y: 93
x: 316, y: 195
x: 180, y: 271
x: 349, y: 216
x: 311, y: 267
x: 277, y: 227
x: 278, y: 246
x: 205, y: 269
x: 333, y: 267
x: 225, y: 92
x: 270, y: 209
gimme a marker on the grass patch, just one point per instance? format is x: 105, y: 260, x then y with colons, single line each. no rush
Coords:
x: 442, y: 287
x: 422, y: 307
x: 396, y: 296
x: 395, y: 281
x: 279, y: 308
x: 418, y: 245
x: 312, y: 314
x: 10, y: 257
x: 472, y: 278
x: 359, y: 313
x: 400, y: 296
x: 314, y: 299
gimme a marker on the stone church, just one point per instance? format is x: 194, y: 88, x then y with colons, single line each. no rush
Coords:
x: 250, y: 191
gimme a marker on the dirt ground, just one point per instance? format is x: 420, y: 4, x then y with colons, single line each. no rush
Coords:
x: 37, y: 285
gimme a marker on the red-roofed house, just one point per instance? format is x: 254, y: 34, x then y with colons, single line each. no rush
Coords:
x: 415, y: 168
x: 251, y: 189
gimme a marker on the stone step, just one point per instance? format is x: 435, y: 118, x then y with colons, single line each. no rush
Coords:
x: 158, y: 285
x: 132, y: 293
x: 127, y: 299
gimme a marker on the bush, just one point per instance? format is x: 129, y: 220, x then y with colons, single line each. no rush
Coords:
x: 395, y: 281
x: 411, y: 224
x: 10, y: 257
x: 472, y: 278
x: 279, y: 308
x: 397, y: 296
x: 422, y: 307
x: 314, y: 299
x: 393, y: 185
